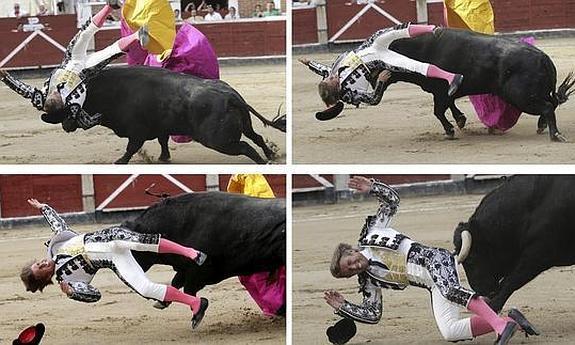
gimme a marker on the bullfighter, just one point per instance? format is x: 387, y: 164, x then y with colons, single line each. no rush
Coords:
x: 386, y: 258
x: 347, y: 79
x: 75, y: 258
x: 65, y: 90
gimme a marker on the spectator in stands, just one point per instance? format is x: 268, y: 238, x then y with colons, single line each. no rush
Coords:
x: 212, y: 15
x: 61, y: 6
x: 17, y: 12
x: 42, y: 9
x: 232, y: 14
x: 177, y: 14
x: 194, y: 17
x: 271, y: 9
x: 190, y: 7
x: 258, y: 13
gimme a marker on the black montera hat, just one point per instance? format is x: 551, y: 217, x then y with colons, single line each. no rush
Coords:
x: 330, y: 113
x: 341, y: 332
x: 31, y: 335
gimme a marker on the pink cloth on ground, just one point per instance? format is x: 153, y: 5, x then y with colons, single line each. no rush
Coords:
x: 270, y: 297
x: 192, y: 54
x: 493, y: 111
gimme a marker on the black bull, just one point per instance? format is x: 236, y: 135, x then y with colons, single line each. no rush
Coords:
x: 143, y: 103
x: 240, y: 235
x: 520, y: 229
x: 522, y: 75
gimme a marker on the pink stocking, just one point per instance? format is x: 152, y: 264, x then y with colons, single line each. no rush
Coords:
x: 175, y: 295
x: 169, y: 247
x: 125, y: 42
x: 416, y: 30
x: 480, y: 308
x: 436, y: 72
x: 100, y: 18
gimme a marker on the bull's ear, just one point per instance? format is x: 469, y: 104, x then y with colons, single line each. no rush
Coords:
x: 330, y: 113
x: 129, y: 224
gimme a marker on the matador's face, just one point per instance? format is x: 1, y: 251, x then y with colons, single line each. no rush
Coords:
x: 352, y: 263
x: 43, y: 269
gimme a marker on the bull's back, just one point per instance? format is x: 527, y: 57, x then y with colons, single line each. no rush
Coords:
x: 526, y: 209
x: 138, y: 100
x: 485, y: 59
x: 233, y: 229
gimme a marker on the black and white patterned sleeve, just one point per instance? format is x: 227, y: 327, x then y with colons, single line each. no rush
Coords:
x: 83, y: 292
x: 54, y: 220
x: 371, y: 98
x: 27, y: 91
x: 319, y: 68
x: 387, y: 196
x: 370, y: 310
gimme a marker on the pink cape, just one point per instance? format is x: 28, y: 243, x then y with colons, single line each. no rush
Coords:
x: 493, y: 111
x: 192, y: 54
x: 270, y: 296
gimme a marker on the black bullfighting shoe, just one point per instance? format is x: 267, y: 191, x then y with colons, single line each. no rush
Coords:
x: 200, y: 258
x: 341, y: 332
x: 330, y: 113
x: 162, y: 305
x: 197, y: 318
x: 522, y: 321
x: 455, y: 83
x: 507, y: 334
x: 144, y: 36
x: 115, y: 4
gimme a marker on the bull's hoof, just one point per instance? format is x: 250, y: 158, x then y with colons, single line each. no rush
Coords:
x: 197, y: 318
x: 461, y: 121
x: 558, y: 137
x: 122, y: 161
x: 161, y: 305
x: 541, y: 130
x: 450, y: 136
x: 165, y: 160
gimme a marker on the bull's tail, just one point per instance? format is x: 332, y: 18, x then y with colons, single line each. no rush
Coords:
x: 564, y: 90
x: 278, y: 122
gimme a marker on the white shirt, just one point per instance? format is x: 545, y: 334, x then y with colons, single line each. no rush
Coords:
x: 22, y: 13
x: 229, y: 16
x: 213, y: 16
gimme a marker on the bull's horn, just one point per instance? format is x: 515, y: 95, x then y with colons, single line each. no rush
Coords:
x: 465, y: 246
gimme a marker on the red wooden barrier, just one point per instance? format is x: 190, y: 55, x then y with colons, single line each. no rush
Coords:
x: 304, y: 26
x: 243, y: 38
x: 63, y: 192
x: 134, y: 195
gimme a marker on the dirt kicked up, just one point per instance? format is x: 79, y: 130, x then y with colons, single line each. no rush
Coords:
x: 407, y: 317
x: 403, y: 129
x: 122, y: 316
x: 25, y: 139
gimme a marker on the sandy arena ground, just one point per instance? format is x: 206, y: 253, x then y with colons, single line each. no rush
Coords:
x: 407, y: 317
x: 403, y: 129
x: 122, y: 316
x: 24, y: 138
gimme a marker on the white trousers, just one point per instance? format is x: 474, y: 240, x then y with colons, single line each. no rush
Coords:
x: 126, y: 267
x: 448, y: 318
x: 79, y: 57
x: 379, y: 50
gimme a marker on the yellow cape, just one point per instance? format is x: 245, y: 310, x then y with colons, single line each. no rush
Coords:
x: 250, y: 184
x: 475, y: 15
x: 158, y: 16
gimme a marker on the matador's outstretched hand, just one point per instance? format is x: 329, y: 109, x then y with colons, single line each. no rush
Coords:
x: 360, y: 184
